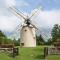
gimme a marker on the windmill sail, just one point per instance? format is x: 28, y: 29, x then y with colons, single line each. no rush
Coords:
x: 16, y: 13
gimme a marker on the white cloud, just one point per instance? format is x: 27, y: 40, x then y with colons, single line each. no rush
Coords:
x: 8, y: 23
x: 4, y: 5
x: 45, y: 21
x: 10, y: 3
x: 47, y: 18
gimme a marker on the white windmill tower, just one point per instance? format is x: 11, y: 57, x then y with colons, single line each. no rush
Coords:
x: 27, y: 31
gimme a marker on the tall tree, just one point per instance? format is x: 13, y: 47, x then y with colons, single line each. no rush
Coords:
x: 49, y: 42
x: 40, y: 40
x: 4, y: 39
x: 2, y: 34
x: 16, y: 42
x: 55, y: 33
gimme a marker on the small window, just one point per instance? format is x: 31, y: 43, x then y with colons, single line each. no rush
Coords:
x: 25, y: 30
x: 34, y: 37
x: 22, y: 44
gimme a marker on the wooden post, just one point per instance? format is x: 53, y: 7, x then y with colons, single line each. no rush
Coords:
x: 15, y: 52
x: 45, y: 51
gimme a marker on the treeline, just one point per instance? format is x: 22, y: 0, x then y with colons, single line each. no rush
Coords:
x: 55, y: 37
x: 40, y: 40
x: 5, y: 40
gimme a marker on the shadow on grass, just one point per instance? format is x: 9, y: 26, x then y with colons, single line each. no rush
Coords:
x: 39, y: 57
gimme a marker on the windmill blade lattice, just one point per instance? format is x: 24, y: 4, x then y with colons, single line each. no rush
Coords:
x: 16, y: 13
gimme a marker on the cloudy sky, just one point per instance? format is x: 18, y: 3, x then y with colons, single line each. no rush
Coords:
x: 47, y: 15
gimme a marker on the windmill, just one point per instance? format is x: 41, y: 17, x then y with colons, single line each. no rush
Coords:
x: 28, y: 29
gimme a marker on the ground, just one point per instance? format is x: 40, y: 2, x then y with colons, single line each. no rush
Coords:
x: 29, y: 54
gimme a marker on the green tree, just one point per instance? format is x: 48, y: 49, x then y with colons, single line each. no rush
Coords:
x: 2, y: 34
x: 56, y: 34
x: 40, y: 40
x: 49, y: 42
x: 4, y: 39
x: 16, y: 42
x: 8, y: 41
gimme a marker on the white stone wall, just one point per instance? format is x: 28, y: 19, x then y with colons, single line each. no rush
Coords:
x: 28, y: 37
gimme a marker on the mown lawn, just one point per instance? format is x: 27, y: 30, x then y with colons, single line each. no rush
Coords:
x: 29, y: 54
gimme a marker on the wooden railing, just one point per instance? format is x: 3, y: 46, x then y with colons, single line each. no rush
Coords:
x: 51, y: 51
x: 10, y: 48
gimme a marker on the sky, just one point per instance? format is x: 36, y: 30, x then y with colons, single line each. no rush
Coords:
x: 48, y: 14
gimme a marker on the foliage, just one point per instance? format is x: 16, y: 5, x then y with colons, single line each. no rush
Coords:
x: 40, y: 40
x: 16, y: 42
x: 4, y: 39
x: 49, y: 42
x: 55, y: 33
x: 2, y: 34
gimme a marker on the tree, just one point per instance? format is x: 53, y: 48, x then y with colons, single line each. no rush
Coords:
x: 55, y: 34
x: 39, y: 40
x: 4, y: 39
x: 2, y: 34
x: 8, y: 41
x: 49, y: 42
x: 16, y: 42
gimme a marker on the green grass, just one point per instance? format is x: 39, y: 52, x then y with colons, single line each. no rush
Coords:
x: 29, y: 54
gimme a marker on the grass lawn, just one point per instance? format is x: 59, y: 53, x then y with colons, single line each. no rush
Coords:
x: 29, y: 54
